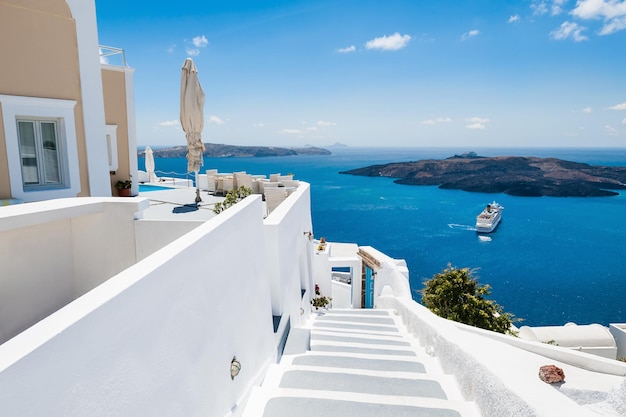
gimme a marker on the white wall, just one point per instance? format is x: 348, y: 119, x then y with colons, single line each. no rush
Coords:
x: 152, y: 235
x: 321, y: 270
x: 158, y: 338
x: 54, y: 251
x: 84, y: 13
x: 342, y: 295
x: 392, y: 273
x: 288, y: 252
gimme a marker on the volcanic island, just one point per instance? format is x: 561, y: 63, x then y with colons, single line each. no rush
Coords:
x: 514, y: 175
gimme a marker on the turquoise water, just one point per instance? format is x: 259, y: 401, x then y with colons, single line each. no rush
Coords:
x: 145, y: 188
x: 551, y: 260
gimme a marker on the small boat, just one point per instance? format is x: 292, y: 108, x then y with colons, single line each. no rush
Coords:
x: 489, y: 218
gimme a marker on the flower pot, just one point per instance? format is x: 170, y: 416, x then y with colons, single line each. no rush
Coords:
x: 123, y: 192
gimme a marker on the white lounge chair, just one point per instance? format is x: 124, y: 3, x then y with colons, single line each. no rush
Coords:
x: 211, y: 183
x: 228, y: 183
x: 243, y: 180
x: 273, y: 197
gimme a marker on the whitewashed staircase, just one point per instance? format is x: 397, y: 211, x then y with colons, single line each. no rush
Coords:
x: 361, y: 363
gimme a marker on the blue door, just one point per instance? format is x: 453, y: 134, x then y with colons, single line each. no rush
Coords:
x: 369, y: 288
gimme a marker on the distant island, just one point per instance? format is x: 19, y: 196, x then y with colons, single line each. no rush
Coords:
x: 214, y: 150
x: 513, y: 175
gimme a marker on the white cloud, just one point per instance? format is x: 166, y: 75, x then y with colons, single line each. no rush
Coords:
x: 169, y: 123
x: 200, y: 41
x: 347, y: 50
x: 593, y: 9
x: 259, y: 125
x: 587, y: 110
x: 539, y: 7
x: 624, y: 122
x: 171, y: 49
x: 436, y: 121
x: 557, y: 7
x: 325, y: 123
x: 471, y: 33
x: 514, y: 19
x: 569, y: 30
x: 612, y: 11
x: 292, y: 131
x: 610, y: 130
x: 613, y: 25
x: 476, y: 123
x: 214, y: 119
x: 389, y: 43
x: 621, y: 106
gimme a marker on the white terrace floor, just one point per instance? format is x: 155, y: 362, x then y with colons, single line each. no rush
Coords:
x: 179, y: 203
x: 357, y: 363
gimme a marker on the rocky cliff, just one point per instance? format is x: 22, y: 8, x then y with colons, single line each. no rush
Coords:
x: 214, y: 150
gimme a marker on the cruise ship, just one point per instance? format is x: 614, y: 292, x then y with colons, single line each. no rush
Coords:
x: 489, y: 218
x: 149, y: 306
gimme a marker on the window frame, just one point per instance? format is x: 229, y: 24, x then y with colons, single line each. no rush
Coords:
x: 16, y: 108
x: 39, y: 155
x: 111, y: 137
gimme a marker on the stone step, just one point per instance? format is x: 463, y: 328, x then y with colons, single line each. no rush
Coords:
x: 397, y: 382
x: 283, y: 402
x: 360, y: 363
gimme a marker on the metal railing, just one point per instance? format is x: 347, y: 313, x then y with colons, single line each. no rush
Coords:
x: 112, y: 56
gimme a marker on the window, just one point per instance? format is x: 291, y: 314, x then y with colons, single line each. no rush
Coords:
x: 112, y: 146
x: 40, y: 155
x: 41, y: 148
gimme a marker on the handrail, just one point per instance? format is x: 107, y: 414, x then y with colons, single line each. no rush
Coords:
x: 109, y: 51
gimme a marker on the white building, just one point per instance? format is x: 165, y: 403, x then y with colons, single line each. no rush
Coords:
x: 105, y: 311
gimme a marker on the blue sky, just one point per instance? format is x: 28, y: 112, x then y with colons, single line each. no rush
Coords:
x: 469, y: 73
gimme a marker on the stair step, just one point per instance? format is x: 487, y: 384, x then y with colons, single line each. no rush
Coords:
x: 352, y: 362
x: 320, y: 336
x: 284, y: 402
x: 365, y: 384
x: 359, y: 363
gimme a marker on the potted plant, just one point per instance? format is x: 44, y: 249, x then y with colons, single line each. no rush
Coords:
x: 123, y: 188
x: 320, y: 301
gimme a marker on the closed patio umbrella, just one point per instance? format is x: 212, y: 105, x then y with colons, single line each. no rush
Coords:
x: 192, y: 118
x: 150, y: 164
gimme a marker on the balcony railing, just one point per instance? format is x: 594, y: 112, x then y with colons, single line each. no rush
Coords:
x: 112, y: 56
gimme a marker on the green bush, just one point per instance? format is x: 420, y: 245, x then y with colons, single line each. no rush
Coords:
x: 232, y: 197
x: 455, y: 294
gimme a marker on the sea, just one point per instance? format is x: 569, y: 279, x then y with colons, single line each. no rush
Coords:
x: 551, y: 261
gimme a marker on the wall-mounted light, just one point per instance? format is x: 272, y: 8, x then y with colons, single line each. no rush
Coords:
x: 235, y: 367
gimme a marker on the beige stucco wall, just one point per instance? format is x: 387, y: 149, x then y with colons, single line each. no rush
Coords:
x: 40, y: 59
x: 5, y: 186
x: 115, y: 111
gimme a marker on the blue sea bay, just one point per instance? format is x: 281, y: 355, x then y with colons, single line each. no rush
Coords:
x: 551, y: 260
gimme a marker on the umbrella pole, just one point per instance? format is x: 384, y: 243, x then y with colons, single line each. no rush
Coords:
x: 198, y: 198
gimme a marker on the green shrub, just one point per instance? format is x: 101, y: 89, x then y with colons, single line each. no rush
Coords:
x: 455, y: 294
x: 232, y: 197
